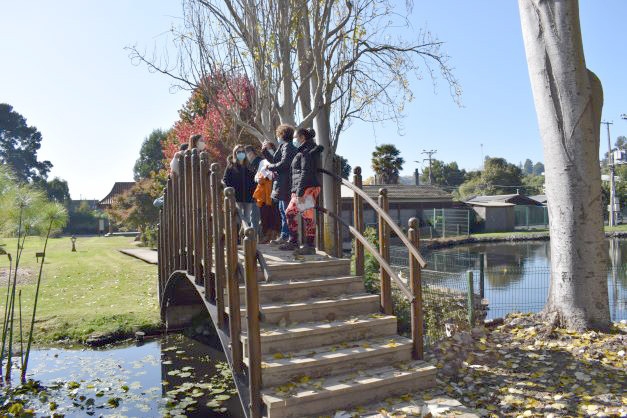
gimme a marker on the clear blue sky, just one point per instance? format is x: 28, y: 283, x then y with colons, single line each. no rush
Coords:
x: 65, y: 69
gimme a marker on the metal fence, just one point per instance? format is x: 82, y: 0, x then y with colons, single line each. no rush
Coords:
x: 446, y: 223
x: 503, y: 289
x: 526, y: 216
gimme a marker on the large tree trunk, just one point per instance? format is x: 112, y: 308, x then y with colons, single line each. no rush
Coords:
x: 568, y: 100
x: 323, y: 133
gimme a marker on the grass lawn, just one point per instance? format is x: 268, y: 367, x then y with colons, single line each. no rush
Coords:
x: 96, y: 289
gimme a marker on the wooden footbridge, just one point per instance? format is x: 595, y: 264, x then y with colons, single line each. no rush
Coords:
x: 302, y: 336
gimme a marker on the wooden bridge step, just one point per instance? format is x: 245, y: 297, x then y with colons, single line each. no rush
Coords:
x: 306, y: 289
x: 295, y: 270
x: 314, y: 397
x: 274, y: 339
x: 342, y: 306
x: 281, y: 368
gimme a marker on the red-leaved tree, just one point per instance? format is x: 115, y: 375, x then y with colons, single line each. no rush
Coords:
x: 211, y: 111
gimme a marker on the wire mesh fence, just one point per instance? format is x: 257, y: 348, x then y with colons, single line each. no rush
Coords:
x: 496, y: 290
x: 446, y: 222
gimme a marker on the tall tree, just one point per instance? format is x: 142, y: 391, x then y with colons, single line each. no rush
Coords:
x: 57, y: 190
x: 621, y: 142
x: 387, y: 163
x: 444, y: 174
x: 538, y: 169
x: 528, y: 166
x: 324, y: 63
x: 150, y: 155
x: 345, y: 167
x: 568, y: 99
x: 203, y: 114
x: 498, y: 177
x: 19, y: 144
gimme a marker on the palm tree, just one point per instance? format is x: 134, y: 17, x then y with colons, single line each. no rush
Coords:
x: 387, y: 164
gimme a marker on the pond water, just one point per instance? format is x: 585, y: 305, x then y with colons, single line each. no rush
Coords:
x: 517, y: 274
x: 171, y: 376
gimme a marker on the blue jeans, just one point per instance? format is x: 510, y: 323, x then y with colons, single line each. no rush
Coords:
x: 285, y: 230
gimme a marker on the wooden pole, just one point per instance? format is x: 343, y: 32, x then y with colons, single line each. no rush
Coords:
x: 196, y: 210
x: 384, y: 250
x: 168, y: 228
x: 218, y: 248
x: 358, y: 221
x: 471, y: 301
x: 180, y: 210
x: 235, y: 320
x: 415, y: 283
x: 189, y: 214
x: 160, y: 258
x: 338, y: 208
x: 207, y: 235
x: 252, y: 318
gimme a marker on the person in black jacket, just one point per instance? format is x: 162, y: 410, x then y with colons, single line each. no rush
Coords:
x: 238, y: 175
x: 305, y: 190
x: 280, y: 164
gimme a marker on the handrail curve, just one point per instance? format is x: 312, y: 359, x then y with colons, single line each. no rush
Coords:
x: 412, y: 249
x: 372, y: 250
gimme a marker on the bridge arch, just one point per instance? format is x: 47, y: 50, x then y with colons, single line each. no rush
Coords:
x: 180, y: 301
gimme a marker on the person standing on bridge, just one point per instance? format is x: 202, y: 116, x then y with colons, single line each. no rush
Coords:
x: 239, y: 176
x: 305, y: 190
x: 280, y: 164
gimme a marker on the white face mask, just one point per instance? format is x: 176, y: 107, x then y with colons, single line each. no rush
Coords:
x: 296, y: 142
x: 201, y: 146
x: 280, y: 141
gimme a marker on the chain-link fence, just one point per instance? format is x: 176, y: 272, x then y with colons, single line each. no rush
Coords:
x: 502, y: 289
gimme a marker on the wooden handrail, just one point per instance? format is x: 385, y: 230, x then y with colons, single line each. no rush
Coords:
x: 264, y: 266
x: 413, y: 250
x: 374, y: 252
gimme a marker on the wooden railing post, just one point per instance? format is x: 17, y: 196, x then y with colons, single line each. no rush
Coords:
x: 218, y: 247
x: 415, y: 283
x: 167, y: 243
x: 358, y: 222
x: 189, y: 213
x: 207, y: 230
x: 180, y: 211
x: 235, y: 321
x: 252, y: 318
x: 337, y: 168
x: 196, y: 212
x: 160, y: 257
x: 384, y: 250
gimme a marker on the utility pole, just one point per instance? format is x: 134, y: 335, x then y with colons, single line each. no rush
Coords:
x: 429, y: 153
x: 610, y: 163
x: 482, y: 160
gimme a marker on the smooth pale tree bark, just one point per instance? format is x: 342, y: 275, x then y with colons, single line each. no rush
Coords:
x: 568, y: 100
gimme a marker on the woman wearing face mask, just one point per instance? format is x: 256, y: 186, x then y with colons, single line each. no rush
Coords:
x: 197, y: 141
x: 239, y: 176
x: 281, y: 163
x: 305, y: 190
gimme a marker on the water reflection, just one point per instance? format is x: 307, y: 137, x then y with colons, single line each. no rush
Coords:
x: 173, y: 376
x: 517, y: 274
